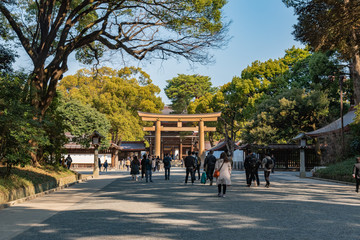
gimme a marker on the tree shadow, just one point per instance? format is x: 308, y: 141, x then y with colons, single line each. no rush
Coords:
x: 170, y: 210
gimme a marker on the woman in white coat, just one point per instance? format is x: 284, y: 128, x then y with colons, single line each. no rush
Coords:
x: 223, y: 165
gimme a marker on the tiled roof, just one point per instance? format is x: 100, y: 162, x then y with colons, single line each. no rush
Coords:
x: 132, y: 146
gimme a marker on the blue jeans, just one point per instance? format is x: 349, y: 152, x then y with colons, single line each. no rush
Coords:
x: 167, y: 173
x: 148, y: 175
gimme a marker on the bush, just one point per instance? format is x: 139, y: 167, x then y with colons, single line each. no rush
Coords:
x: 341, y: 171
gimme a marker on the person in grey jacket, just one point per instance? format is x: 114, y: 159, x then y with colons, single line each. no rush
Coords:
x: 356, y: 173
x: 268, y: 165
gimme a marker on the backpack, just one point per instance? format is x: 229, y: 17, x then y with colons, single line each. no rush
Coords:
x: 269, y: 163
x: 166, y: 161
x: 253, y: 163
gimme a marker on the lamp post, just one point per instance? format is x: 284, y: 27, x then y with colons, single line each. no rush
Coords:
x: 302, y: 140
x: 95, y: 140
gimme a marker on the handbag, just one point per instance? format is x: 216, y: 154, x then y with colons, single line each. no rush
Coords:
x: 217, y: 172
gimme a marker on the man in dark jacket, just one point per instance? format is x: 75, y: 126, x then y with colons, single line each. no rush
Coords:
x: 148, y: 167
x: 252, y: 164
x: 167, y: 166
x: 190, y: 166
x: 143, y: 167
x: 356, y: 173
x: 247, y: 168
x: 209, y: 165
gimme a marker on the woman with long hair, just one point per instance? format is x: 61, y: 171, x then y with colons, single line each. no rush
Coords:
x: 223, y: 165
x: 135, y: 166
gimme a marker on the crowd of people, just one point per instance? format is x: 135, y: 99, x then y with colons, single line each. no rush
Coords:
x: 213, y: 168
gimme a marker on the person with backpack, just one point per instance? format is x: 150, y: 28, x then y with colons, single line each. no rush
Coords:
x: 268, y: 165
x: 254, y: 164
x: 190, y: 166
x: 356, y: 173
x: 209, y: 165
x: 167, y: 166
x: 223, y: 165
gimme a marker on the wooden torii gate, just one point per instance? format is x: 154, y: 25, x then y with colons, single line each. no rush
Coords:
x: 179, y: 118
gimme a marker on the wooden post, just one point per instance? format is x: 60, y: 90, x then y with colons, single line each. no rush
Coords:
x: 201, y: 141
x: 180, y: 150
x: 157, y: 138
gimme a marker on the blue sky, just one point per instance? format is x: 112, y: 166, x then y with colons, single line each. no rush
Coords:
x: 260, y: 30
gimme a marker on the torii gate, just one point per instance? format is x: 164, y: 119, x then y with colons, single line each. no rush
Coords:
x: 179, y: 118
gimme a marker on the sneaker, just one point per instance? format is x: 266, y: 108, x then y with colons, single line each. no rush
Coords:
x: 219, y: 195
x: 223, y: 195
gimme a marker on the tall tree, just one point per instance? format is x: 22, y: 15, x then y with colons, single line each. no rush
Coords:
x: 183, y: 89
x: 49, y: 31
x: 280, y: 118
x: 118, y: 94
x: 331, y: 25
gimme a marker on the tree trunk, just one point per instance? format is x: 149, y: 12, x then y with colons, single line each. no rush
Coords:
x: 356, y: 77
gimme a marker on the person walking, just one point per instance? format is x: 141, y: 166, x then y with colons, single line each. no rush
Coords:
x: 127, y: 163
x: 135, y: 165
x: 99, y: 164
x: 153, y: 163
x: 158, y: 163
x: 268, y: 165
x: 197, y: 164
x: 68, y: 161
x: 148, y: 167
x: 167, y: 166
x: 189, y: 165
x: 209, y: 166
x: 274, y: 160
x: 356, y: 173
x: 248, y: 168
x: 105, y: 165
x: 143, y: 167
x: 254, y: 163
x: 223, y: 165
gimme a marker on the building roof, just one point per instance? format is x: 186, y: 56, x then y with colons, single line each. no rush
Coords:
x: 348, y: 118
x: 132, y: 146
x: 221, y: 146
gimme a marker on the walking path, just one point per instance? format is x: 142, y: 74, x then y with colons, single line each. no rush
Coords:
x: 114, y: 207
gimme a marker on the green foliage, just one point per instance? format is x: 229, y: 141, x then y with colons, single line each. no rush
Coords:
x: 331, y: 25
x: 118, y: 94
x: 17, y: 126
x: 280, y: 118
x: 341, y: 171
x: 82, y: 120
x: 183, y: 89
x: 7, y: 58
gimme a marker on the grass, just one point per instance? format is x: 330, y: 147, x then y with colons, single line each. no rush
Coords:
x: 31, y: 176
x: 341, y: 171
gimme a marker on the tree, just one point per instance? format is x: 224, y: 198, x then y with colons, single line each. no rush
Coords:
x: 183, y: 89
x: 17, y: 125
x: 331, y: 25
x: 280, y: 118
x: 49, y: 31
x: 82, y: 120
x: 7, y: 58
x: 118, y: 94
